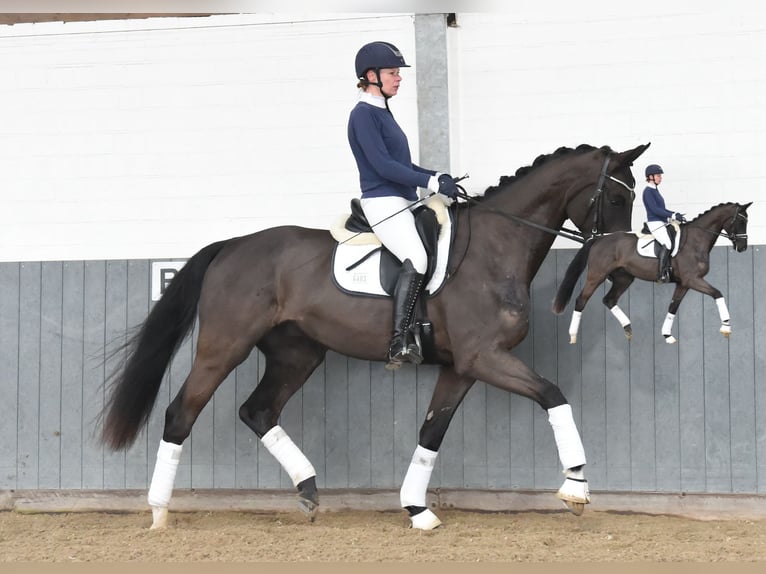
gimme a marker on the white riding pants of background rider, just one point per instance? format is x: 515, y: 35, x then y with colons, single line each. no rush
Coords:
x: 394, y: 224
x: 659, y: 232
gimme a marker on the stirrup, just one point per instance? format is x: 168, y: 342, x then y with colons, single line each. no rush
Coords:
x: 407, y: 353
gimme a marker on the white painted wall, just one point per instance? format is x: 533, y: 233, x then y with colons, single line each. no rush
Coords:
x: 689, y: 77
x: 152, y: 138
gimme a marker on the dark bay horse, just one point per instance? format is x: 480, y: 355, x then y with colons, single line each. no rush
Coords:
x: 273, y: 290
x: 616, y: 256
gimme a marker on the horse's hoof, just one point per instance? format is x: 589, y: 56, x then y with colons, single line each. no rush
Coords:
x: 670, y: 339
x: 159, y: 518
x: 425, y: 520
x: 725, y: 330
x: 628, y: 332
x: 572, y: 339
x: 575, y: 494
x: 576, y: 508
x: 308, y: 507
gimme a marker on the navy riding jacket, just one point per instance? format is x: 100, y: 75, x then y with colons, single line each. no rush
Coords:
x: 655, y: 205
x: 382, y: 154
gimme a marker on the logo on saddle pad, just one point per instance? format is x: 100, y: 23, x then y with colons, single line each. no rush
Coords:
x: 361, y: 265
x: 648, y: 246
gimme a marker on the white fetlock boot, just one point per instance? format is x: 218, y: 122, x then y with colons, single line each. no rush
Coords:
x: 161, y: 488
x: 574, y: 492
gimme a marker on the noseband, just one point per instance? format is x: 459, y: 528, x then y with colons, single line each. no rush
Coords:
x: 734, y: 236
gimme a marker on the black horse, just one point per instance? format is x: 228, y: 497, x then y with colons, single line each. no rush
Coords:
x: 616, y: 256
x: 273, y: 290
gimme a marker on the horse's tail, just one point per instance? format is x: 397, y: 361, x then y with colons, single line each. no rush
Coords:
x: 575, y: 269
x: 134, y: 387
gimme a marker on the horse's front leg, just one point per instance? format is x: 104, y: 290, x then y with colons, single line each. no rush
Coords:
x: 501, y: 369
x: 699, y: 284
x: 675, y: 302
x: 447, y: 396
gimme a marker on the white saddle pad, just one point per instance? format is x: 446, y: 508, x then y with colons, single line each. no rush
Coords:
x: 645, y: 244
x: 365, y: 277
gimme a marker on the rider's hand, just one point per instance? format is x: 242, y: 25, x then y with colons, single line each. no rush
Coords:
x: 447, y: 185
x: 679, y: 217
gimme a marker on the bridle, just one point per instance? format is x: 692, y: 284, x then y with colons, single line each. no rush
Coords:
x: 597, y: 200
x: 733, y: 237
x: 596, y: 205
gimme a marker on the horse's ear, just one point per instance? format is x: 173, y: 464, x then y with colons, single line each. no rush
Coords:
x: 744, y: 207
x: 628, y: 157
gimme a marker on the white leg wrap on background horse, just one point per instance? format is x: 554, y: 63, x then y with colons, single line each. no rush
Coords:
x: 667, y: 325
x: 620, y: 316
x: 288, y: 454
x: 161, y: 489
x: 723, y: 311
x: 571, y: 451
x: 574, y: 325
x: 415, y: 485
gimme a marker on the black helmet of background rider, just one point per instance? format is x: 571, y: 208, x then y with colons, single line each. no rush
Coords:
x: 651, y: 170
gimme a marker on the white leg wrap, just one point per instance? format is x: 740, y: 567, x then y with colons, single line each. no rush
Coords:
x: 571, y: 451
x: 723, y: 311
x: 161, y: 489
x: 667, y: 325
x: 574, y: 325
x: 288, y: 454
x: 415, y: 485
x: 620, y: 316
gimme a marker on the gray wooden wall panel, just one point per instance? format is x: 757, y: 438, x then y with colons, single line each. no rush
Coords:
x: 653, y: 416
x: 691, y: 393
x: 716, y: 377
x: 641, y: 417
x: 666, y: 401
x: 9, y: 371
x: 759, y: 364
x: 29, y: 377
x: 73, y: 429
x: 741, y: 370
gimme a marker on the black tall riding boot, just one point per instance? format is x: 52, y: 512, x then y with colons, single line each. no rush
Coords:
x: 663, y: 271
x: 404, y: 347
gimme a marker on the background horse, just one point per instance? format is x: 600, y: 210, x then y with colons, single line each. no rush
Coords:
x: 273, y: 290
x: 616, y: 256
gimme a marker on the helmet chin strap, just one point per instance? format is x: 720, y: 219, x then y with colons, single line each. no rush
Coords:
x: 379, y: 83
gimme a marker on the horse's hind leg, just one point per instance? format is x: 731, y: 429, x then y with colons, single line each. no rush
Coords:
x: 675, y: 302
x: 216, y: 357
x: 592, y: 282
x: 291, y: 357
x: 621, y: 280
x: 447, y: 396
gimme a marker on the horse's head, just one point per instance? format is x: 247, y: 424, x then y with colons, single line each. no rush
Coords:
x: 736, y: 227
x: 605, y: 203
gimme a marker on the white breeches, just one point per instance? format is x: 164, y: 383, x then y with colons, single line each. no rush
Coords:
x: 659, y: 231
x: 398, y: 232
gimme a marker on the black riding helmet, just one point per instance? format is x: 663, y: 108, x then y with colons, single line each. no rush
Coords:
x: 377, y: 55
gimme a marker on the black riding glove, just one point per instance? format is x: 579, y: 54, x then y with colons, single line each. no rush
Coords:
x: 447, y: 186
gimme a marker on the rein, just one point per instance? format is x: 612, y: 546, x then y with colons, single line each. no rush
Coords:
x: 725, y: 234
x: 574, y: 235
